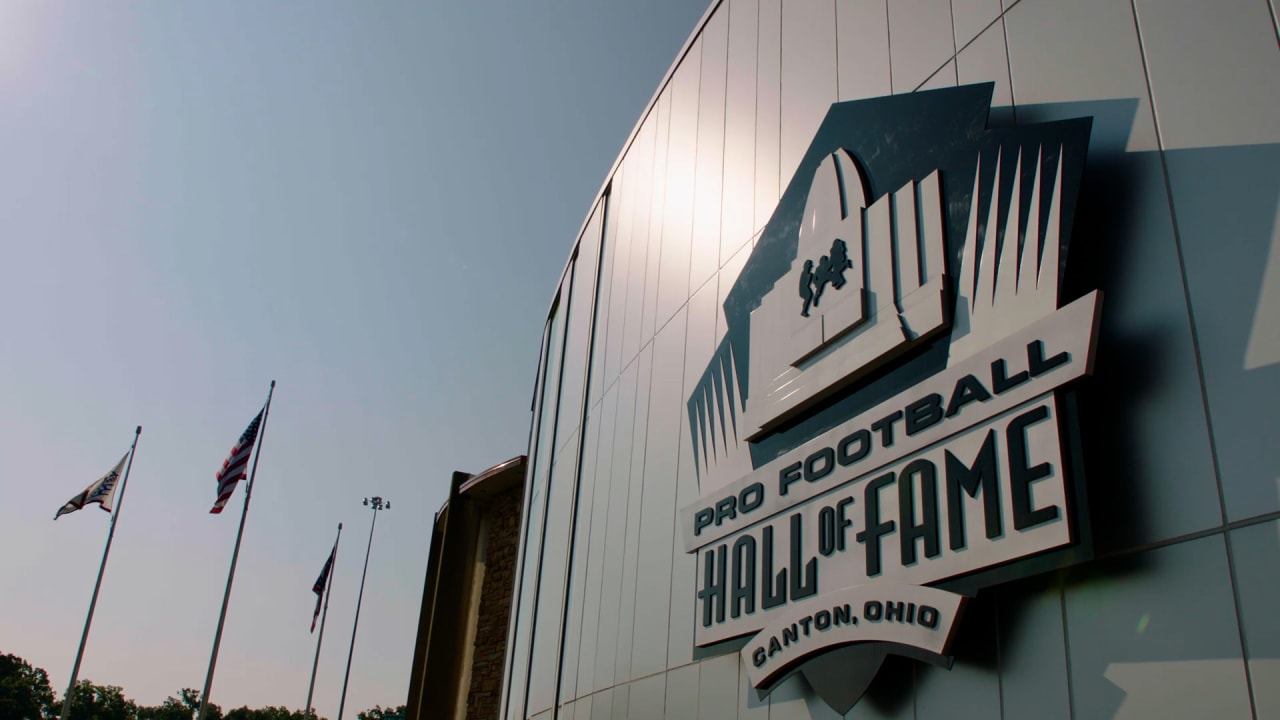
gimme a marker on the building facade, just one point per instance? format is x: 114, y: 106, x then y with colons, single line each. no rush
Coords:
x: 918, y: 359
x: 466, y: 599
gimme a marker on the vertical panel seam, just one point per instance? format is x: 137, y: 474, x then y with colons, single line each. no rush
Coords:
x: 679, y: 441
x: 625, y: 492
x: 616, y: 258
x: 1066, y: 647
x: 999, y: 662
x: 835, y: 13
x: 1182, y: 265
x: 1195, y: 346
x: 1235, y: 598
x: 622, y: 580
x: 915, y: 691
x: 582, y: 444
x: 1008, y: 66
x: 889, y: 37
x: 542, y: 531
x: 600, y: 585
x: 781, y: 16
x: 693, y: 191
x: 955, y: 41
x: 724, y: 140
x: 602, y: 383
x: 755, y: 118
x: 546, y: 495
x: 1275, y: 22
x: 651, y: 244
x: 835, y: 45
x: 644, y: 461
x: 526, y: 514
x: 657, y: 300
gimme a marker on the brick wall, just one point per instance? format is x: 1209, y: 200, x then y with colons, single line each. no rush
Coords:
x: 485, y: 693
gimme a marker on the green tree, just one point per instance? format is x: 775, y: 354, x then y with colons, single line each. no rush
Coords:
x: 24, y: 690
x: 377, y: 712
x: 101, y: 702
x: 183, y: 707
x: 268, y: 713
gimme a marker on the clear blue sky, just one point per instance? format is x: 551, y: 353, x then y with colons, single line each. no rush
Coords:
x: 369, y: 202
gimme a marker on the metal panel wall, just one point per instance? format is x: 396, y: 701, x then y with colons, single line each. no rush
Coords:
x: 615, y: 537
x: 1033, y: 664
x: 1084, y: 58
x: 1255, y: 551
x: 646, y: 195
x: 737, y: 219
x: 1169, y: 642
x: 808, y: 76
x: 768, y: 109
x: 709, y: 171
x: 971, y: 17
x: 1217, y: 120
x: 920, y: 41
x: 697, y: 351
x: 862, y: 45
x: 657, y: 218
x: 596, y: 547
x: 631, y: 540
x: 658, y: 502
x: 677, y: 214
x: 1177, y: 225
x: 520, y: 646
x: 986, y: 59
x: 681, y: 702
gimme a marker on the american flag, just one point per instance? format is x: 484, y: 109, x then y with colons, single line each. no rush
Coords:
x: 318, y: 588
x: 233, y: 468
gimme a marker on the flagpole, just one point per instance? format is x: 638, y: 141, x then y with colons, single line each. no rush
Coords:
x: 324, y: 616
x: 235, y: 555
x: 111, y: 533
x: 377, y: 505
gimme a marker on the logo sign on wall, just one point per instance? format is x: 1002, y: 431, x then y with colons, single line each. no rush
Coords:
x: 887, y: 425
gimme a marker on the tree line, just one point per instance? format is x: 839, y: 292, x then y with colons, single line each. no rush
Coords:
x: 25, y: 694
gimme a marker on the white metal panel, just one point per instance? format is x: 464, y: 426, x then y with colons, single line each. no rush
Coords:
x: 971, y: 17
x: 768, y: 110
x: 1214, y: 70
x: 945, y: 77
x: 862, y: 43
x: 648, y: 309
x: 682, y: 694
x: 1170, y: 641
x: 920, y: 40
x: 698, y: 350
x: 677, y: 215
x: 808, y: 76
x: 658, y: 503
x: 633, y: 244
x: 593, y: 543
x: 1033, y: 663
x: 738, y: 202
x: 985, y: 60
x: 648, y: 697
x: 616, y: 531
x: 718, y: 687
x: 704, y: 257
x: 1084, y: 50
x: 635, y: 461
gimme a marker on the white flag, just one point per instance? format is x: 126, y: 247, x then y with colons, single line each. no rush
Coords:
x: 103, y: 492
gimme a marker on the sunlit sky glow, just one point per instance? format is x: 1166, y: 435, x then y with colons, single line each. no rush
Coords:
x: 367, y: 202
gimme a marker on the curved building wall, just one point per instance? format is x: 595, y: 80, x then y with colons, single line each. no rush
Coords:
x: 1175, y: 224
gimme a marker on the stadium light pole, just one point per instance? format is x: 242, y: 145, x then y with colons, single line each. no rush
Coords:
x: 377, y: 504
